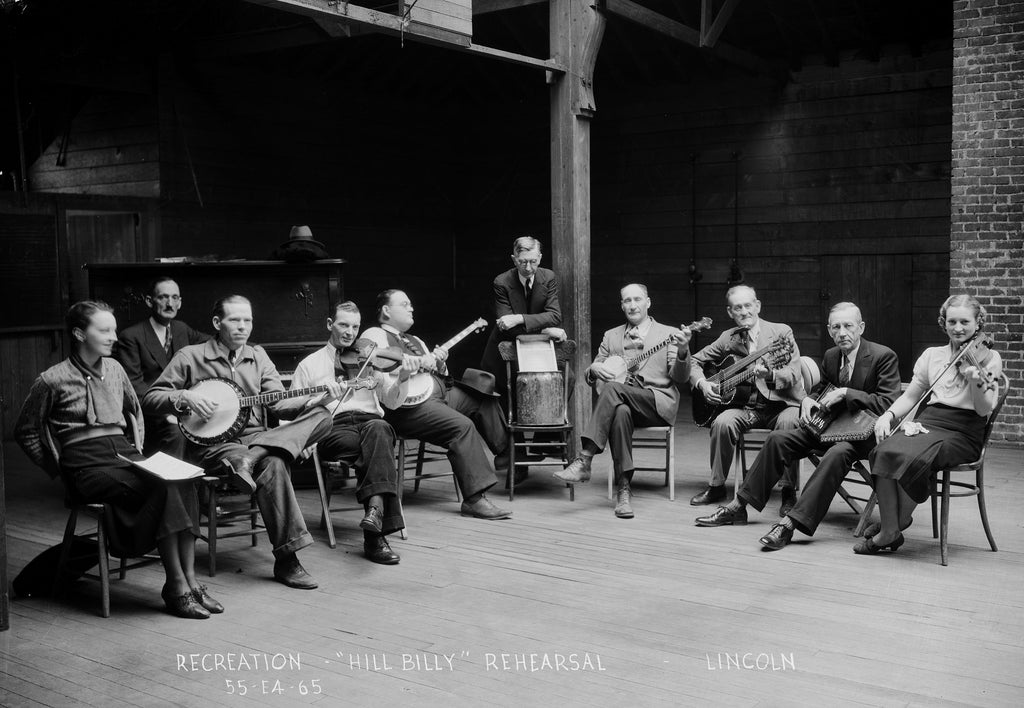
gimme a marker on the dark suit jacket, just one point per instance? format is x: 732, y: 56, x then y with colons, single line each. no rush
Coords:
x: 542, y: 311
x: 875, y: 381
x: 142, y: 354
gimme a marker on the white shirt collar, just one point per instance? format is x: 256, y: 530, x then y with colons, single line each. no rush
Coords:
x: 158, y: 328
x: 851, y: 357
x: 390, y: 328
x: 522, y: 280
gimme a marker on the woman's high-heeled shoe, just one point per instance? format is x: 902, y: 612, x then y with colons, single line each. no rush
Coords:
x: 876, y: 528
x: 184, y: 606
x: 203, y: 598
x: 868, y: 547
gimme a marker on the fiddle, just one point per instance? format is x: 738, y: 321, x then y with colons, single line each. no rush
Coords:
x: 977, y: 352
x: 364, y: 352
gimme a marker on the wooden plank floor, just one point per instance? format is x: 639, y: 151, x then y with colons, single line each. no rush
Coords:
x: 651, y: 611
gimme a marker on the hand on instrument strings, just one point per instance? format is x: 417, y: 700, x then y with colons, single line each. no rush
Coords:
x: 883, y: 426
x: 335, y: 390
x: 833, y: 397
x: 441, y: 355
x: 682, y: 337
x: 199, y: 404
x: 808, y: 407
x: 761, y: 371
x: 710, y: 391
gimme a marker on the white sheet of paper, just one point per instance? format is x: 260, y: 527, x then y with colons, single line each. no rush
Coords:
x: 168, y: 468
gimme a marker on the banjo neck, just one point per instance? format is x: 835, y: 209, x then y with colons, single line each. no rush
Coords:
x: 275, y: 396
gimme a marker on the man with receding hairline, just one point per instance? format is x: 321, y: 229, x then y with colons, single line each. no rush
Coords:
x: 259, y: 457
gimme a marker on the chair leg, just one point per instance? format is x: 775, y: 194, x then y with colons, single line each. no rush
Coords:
x: 510, y: 473
x: 211, y: 528
x: 935, y: 514
x: 401, y: 483
x: 101, y: 541
x: 981, y: 507
x: 865, y: 516
x: 419, y: 466
x: 671, y: 462
x: 65, y: 551
x: 325, y: 504
x: 253, y: 507
x: 944, y: 527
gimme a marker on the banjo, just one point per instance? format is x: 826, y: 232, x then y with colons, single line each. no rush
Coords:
x: 627, y: 371
x: 234, y: 408
x: 420, y: 385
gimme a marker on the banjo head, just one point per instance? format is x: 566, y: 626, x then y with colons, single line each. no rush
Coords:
x: 225, y: 423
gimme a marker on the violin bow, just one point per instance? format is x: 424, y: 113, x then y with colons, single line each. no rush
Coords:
x: 350, y: 391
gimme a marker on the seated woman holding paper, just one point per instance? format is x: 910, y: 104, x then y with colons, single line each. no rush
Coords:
x: 961, y: 378
x: 82, y: 407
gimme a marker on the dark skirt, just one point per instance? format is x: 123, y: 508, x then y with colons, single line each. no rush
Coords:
x: 954, y: 437
x: 144, y: 508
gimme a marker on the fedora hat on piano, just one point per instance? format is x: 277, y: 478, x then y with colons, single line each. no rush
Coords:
x: 300, y: 246
x: 479, y: 381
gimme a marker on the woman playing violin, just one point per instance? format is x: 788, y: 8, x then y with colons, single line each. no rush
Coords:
x: 947, y: 431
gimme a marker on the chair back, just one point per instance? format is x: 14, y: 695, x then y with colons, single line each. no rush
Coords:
x: 1005, y: 384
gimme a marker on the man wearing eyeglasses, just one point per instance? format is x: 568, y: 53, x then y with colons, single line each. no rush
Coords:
x: 145, y: 348
x: 772, y: 402
x: 525, y: 302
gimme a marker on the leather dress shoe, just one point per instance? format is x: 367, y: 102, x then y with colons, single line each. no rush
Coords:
x: 378, y: 551
x: 204, y: 599
x: 484, y: 509
x: 373, y: 521
x: 623, y: 509
x: 184, y: 606
x: 577, y: 471
x: 788, y: 501
x: 288, y: 571
x: 724, y: 516
x: 240, y: 468
x: 777, y: 538
x: 711, y: 495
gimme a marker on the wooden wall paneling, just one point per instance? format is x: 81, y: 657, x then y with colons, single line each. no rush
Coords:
x: 22, y: 358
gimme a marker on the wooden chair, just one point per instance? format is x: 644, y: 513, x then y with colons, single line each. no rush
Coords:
x: 942, y: 482
x: 226, y: 506
x: 100, y: 514
x: 425, y: 454
x: 564, y: 446
x: 658, y: 437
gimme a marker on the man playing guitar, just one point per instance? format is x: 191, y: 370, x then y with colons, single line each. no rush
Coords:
x: 258, y: 457
x: 447, y: 416
x: 773, y: 401
x: 648, y: 398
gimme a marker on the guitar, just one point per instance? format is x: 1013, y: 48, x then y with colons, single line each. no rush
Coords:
x: 776, y: 354
x: 234, y: 407
x: 627, y: 370
x: 420, y: 385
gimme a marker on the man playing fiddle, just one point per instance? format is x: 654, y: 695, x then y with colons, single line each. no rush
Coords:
x: 259, y: 457
x: 449, y: 417
x: 359, y: 435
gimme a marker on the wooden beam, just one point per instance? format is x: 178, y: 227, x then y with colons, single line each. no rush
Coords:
x: 484, y: 7
x: 638, y: 14
x: 325, y: 13
x: 575, y: 31
x: 709, y: 36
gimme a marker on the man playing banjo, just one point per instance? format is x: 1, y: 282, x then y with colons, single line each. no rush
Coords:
x: 257, y: 456
x: 447, y: 416
x: 649, y: 399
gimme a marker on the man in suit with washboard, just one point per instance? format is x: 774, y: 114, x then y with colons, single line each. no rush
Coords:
x: 622, y: 406
x: 144, y: 350
x: 863, y: 376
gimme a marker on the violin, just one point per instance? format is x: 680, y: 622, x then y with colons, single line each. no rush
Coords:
x: 365, y: 352
x: 977, y: 352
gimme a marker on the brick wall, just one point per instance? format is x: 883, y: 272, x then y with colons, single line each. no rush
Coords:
x: 987, y: 236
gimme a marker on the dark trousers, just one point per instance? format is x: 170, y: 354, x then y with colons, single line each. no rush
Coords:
x: 619, y: 410
x: 163, y: 435
x: 447, y: 420
x: 275, y: 495
x: 367, y: 442
x: 784, y: 447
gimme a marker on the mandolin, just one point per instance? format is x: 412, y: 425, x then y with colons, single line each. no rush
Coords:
x: 627, y: 371
x: 234, y: 407
x: 776, y: 355
x: 420, y: 385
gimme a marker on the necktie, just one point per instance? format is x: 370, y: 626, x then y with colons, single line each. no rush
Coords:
x: 752, y: 337
x: 844, y: 373
x: 167, y: 340
x: 528, y: 289
x: 410, y: 344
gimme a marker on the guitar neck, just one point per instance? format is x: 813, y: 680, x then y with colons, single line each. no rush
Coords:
x: 460, y: 336
x: 639, y: 360
x: 740, y: 365
x: 275, y: 396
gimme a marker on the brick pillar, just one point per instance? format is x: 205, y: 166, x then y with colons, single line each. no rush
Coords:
x: 987, y: 235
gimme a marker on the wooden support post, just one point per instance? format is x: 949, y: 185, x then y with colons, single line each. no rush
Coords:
x: 576, y: 29
x: 5, y: 607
